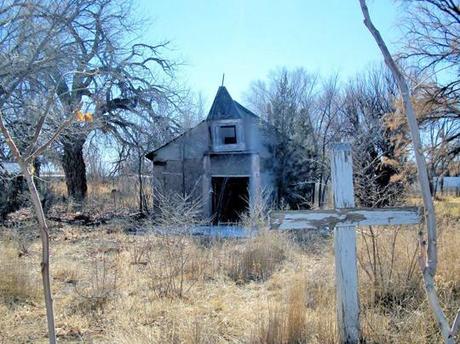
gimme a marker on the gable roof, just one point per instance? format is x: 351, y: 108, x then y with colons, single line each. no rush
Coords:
x: 223, y: 107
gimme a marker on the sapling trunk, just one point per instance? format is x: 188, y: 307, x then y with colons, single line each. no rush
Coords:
x: 44, y: 236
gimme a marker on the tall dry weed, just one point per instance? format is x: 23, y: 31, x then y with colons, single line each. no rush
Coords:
x: 286, y: 323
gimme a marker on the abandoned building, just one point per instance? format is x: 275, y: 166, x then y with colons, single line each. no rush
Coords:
x: 226, y: 160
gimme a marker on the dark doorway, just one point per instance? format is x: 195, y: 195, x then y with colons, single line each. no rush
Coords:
x: 230, y: 198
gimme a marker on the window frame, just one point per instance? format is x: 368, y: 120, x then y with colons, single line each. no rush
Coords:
x: 218, y: 144
x: 223, y: 138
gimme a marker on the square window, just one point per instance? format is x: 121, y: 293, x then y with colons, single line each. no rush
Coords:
x: 228, y: 134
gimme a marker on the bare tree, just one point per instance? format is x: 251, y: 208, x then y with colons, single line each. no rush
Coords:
x: 62, y: 60
x: 428, y: 254
x: 438, y: 150
x: 326, y: 127
x: 28, y: 37
x: 24, y: 159
x: 135, y: 142
x: 360, y: 111
x: 101, y: 73
x: 97, y: 168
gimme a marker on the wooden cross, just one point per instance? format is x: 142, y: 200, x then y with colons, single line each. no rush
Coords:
x: 344, y: 218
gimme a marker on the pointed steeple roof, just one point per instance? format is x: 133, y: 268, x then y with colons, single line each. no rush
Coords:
x: 223, y: 107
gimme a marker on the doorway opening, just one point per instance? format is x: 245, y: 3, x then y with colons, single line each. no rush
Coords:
x: 230, y: 198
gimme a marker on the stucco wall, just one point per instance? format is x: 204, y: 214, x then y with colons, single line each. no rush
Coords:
x: 169, y: 178
x: 191, y: 145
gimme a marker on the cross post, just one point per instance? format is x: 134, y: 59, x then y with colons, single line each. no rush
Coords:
x: 346, y: 269
x: 344, y: 218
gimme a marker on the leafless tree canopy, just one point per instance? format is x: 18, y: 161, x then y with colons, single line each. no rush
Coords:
x: 433, y: 40
x: 431, y: 46
x: 77, y: 57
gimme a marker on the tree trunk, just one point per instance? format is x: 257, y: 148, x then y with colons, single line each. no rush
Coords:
x: 75, y: 169
x: 320, y: 187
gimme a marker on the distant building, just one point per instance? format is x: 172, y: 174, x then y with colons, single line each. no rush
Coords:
x: 226, y: 160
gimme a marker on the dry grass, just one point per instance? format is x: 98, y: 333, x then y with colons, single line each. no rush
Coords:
x: 18, y: 284
x: 108, y: 195
x: 258, y: 258
x: 110, y: 287
x: 287, y: 322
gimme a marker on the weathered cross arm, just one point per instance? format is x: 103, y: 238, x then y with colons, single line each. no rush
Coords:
x: 315, y: 219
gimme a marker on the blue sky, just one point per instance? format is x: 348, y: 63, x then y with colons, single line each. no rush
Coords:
x: 247, y: 39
